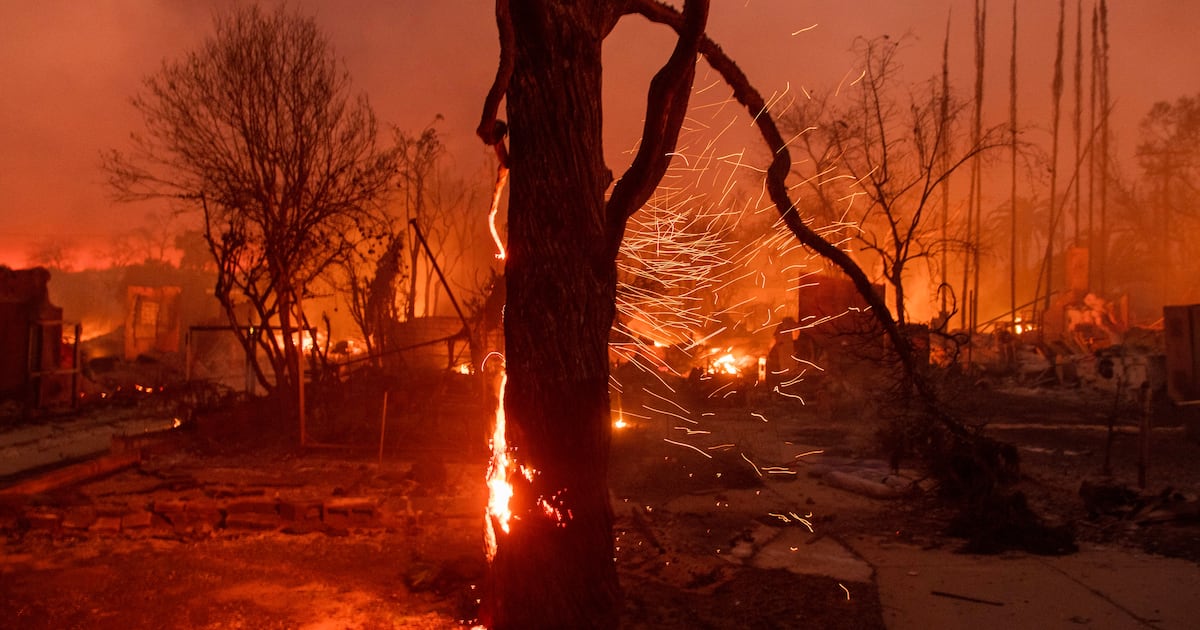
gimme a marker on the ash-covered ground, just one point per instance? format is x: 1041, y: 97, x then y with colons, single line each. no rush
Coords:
x: 729, y: 514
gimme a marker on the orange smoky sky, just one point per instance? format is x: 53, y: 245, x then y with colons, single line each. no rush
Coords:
x: 68, y: 70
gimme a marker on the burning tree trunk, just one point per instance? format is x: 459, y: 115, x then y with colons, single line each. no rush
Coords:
x: 560, y: 304
x: 549, y: 516
x: 552, y: 563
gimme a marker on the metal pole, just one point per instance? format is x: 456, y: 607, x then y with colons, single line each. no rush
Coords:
x: 1144, y: 450
x: 300, y: 392
x: 382, y: 425
x: 187, y: 355
x: 77, y: 355
x: 438, y: 269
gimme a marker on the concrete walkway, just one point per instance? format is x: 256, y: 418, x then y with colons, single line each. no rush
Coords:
x: 1100, y: 588
x: 55, y: 442
x: 1097, y: 588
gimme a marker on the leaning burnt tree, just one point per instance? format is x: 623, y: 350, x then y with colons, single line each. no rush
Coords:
x: 552, y: 563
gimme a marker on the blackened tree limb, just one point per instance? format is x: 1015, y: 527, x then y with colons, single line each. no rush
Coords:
x: 490, y: 129
x: 666, y: 108
x: 777, y: 173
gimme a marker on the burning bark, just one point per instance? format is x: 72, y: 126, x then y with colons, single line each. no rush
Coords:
x: 554, y: 566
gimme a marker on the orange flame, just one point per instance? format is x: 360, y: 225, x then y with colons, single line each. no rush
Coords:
x: 501, y: 180
x: 500, y: 491
x: 727, y: 364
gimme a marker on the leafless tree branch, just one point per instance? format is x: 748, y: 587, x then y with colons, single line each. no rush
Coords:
x: 666, y: 107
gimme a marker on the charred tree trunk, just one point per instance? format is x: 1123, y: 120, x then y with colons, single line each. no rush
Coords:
x: 552, y: 564
x: 555, y: 567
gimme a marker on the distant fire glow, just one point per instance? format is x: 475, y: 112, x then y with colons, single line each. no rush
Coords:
x: 725, y: 364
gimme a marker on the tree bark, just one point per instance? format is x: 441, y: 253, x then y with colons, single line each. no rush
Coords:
x: 555, y: 567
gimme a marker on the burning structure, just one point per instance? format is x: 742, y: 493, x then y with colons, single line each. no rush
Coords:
x: 152, y: 320
x: 36, y: 366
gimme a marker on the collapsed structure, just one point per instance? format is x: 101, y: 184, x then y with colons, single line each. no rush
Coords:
x: 37, y: 368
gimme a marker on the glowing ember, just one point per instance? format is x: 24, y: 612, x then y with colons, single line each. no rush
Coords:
x: 620, y: 422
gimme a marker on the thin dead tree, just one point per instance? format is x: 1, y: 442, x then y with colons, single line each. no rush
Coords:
x: 1077, y: 120
x: 944, y: 121
x: 1106, y: 106
x: 892, y: 155
x: 1056, y: 89
x: 1091, y: 154
x: 975, y: 200
x: 1013, y: 152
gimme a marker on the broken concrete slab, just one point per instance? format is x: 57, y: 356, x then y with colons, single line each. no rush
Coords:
x: 798, y: 550
x: 106, y: 525
x: 139, y: 519
x: 252, y: 520
x: 350, y: 512
x: 79, y: 518
x: 252, y: 507
x: 43, y: 520
x: 299, y: 510
x: 864, y: 486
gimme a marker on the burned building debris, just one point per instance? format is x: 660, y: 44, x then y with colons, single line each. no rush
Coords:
x: 36, y: 367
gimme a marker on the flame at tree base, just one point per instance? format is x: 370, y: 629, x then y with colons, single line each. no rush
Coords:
x: 501, y: 471
x: 500, y: 490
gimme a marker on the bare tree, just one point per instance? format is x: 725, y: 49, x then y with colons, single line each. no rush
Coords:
x: 1169, y: 156
x: 444, y: 208
x: 152, y: 242
x: 386, y: 273
x: 368, y: 273
x: 419, y: 156
x: 257, y: 130
x: 53, y: 253
x: 879, y: 159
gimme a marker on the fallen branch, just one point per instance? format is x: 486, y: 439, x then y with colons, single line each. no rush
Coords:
x: 966, y: 598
